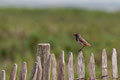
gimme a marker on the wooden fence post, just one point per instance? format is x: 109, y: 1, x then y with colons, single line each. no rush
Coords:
x: 47, y: 69
x: 104, y: 65
x: 54, y: 69
x: 92, y: 68
x: 34, y: 72
x: 114, y: 64
x: 13, y: 72
x: 70, y: 72
x: 61, y: 67
x: 43, y: 50
x: 3, y: 77
x: 119, y: 61
x: 80, y: 66
x: 23, y: 72
x: 39, y: 73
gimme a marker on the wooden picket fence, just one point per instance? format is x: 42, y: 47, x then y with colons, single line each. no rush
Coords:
x: 46, y: 63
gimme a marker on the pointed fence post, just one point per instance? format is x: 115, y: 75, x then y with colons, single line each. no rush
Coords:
x: 39, y: 73
x: 23, y: 72
x: 70, y: 72
x: 92, y: 68
x: 43, y: 50
x: 13, y: 72
x: 80, y: 66
x: 61, y: 67
x: 47, y: 69
x: 54, y: 68
x: 104, y: 65
x: 3, y: 77
x: 114, y: 64
x: 34, y: 72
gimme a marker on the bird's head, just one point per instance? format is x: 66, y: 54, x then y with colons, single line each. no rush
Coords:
x: 76, y: 34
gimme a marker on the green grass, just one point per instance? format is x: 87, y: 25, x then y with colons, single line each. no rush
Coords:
x: 22, y: 29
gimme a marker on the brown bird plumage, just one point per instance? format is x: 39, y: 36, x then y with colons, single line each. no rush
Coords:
x: 81, y: 41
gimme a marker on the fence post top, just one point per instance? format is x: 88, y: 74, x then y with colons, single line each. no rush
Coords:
x: 70, y: 52
x: 43, y: 44
x: 15, y: 65
x: 3, y: 70
x: 114, y: 49
x: 104, y: 49
x: 62, y: 51
x: 92, y: 54
x: 24, y: 62
x: 80, y: 52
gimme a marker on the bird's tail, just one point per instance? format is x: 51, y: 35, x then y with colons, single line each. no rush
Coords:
x: 88, y: 45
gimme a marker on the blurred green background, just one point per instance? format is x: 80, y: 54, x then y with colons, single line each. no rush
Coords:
x: 22, y: 29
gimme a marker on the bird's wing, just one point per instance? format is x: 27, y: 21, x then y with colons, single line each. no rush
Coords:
x: 82, y: 40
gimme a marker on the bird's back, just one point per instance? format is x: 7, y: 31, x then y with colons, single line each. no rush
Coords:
x: 82, y: 41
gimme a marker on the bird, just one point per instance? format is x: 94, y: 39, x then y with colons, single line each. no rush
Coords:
x: 80, y: 40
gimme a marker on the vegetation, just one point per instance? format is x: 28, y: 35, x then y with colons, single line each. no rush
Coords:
x: 22, y: 29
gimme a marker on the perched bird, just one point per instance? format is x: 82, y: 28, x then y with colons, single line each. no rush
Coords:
x: 81, y: 41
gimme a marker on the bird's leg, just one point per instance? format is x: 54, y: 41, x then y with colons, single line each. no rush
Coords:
x: 81, y: 49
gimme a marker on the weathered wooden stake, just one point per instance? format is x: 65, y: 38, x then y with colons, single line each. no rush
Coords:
x: 104, y: 65
x: 34, y: 72
x: 39, y: 73
x: 54, y: 68
x: 80, y: 66
x: 114, y: 64
x: 119, y: 61
x: 61, y: 67
x: 13, y: 72
x: 3, y: 77
x: 92, y: 68
x: 70, y: 72
x: 43, y: 50
x: 47, y: 69
x: 23, y: 72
